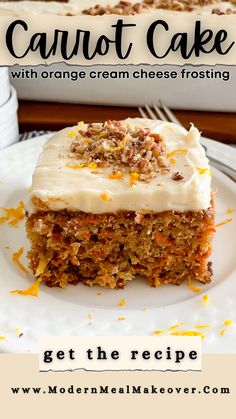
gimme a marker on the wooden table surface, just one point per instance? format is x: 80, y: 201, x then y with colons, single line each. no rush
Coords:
x: 54, y: 116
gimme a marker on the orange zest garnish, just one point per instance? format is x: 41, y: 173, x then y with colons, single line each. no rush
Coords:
x: 158, y: 332
x: 230, y: 211
x: 172, y: 161
x: 72, y: 134
x: 133, y: 177
x: 81, y: 166
x: 188, y: 333
x: 75, y: 166
x: 122, y: 302
x: 175, y: 326
x: 228, y: 322
x: 105, y: 197
x: 120, y: 146
x: 90, y: 316
x: 116, y: 176
x: 205, y: 298
x: 222, y: 332
x: 13, y: 215
x: 33, y: 290
x: 192, y: 287
x: 16, y: 256
x: 121, y: 318
x: 202, y: 326
x: 202, y: 170
x: 177, y: 151
x: 228, y: 220
x: 2, y: 338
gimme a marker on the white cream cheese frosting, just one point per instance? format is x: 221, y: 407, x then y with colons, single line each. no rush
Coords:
x: 75, y: 7
x: 61, y: 187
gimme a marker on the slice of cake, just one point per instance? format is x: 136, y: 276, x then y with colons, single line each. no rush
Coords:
x: 118, y: 199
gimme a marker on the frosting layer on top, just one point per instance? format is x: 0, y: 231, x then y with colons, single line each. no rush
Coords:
x: 62, y: 181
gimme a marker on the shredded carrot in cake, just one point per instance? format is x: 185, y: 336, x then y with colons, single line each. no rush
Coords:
x: 121, y: 318
x: 85, y: 235
x: 158, y: 332
x: 230, y: 211
x: 228, y: 220
x: 13, y: 215
x: 192, y: 287
x: 133, y: 177
x: 33, y: 290
x: 16, y: 256
x: 116, y: 176
x: 189, y: 333
x: 161, y: 238
x: 205, y: 298
x: 228, y: 322
x: 105, y: 197
x: 202, y: 170
x: 175, y: 326
x: 177, y: 151
x: 122, y: 302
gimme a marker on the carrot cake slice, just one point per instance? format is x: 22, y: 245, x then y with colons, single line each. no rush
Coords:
x: 113, y: 200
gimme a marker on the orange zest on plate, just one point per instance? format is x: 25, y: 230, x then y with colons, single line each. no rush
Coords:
x: 189, y: 333
x: 13, y: 215
x: 33, y: 290
x: 122, y: 302
x: 121, y: 318
x: 228, y: 322
x: 175, y: 326
x: 228, y: 220
x: 205, y: 299
x: 16, y: 258
x: 192, y: 287
x: 222, y: 332
x: 158, y: 332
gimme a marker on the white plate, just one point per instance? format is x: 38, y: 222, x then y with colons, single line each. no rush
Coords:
x: 80, y: 310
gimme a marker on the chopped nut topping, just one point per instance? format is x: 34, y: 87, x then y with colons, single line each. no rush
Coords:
x: 177, y: 176
x: 117, y: 145
x: 219, y: 12
x: 126, y: 8
x: 209, y: 267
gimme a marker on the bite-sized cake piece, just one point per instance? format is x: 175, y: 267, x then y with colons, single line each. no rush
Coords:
x: 113, y: 200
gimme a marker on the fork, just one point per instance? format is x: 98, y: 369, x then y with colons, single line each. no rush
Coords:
x: 163, y: 113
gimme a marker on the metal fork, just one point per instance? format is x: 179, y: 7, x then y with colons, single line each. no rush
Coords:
x: 163, y: 113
